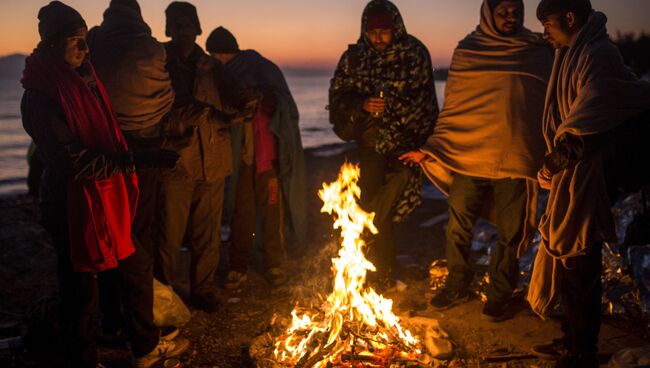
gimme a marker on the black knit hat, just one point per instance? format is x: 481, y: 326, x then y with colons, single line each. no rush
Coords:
x: 57, y: 20
x: 133, y: 4
x: 181, y: 9
x: 221, y: 41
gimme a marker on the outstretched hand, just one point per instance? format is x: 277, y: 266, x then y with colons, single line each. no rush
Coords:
x: 412, y: 158
x: 544, y: 178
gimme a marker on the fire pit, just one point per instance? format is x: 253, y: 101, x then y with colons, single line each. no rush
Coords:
x: 354, y: 326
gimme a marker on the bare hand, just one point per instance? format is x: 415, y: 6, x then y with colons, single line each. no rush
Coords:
x: 374, y: 105
x: 544, y: 178
x: 412, y: 158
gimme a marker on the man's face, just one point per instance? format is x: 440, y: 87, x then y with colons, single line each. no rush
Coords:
x: 380, y: 38
x: 509, y: 17
x: 557, y: 32
x: 183, y: 31
x: 223, y: 58
x: 75, y: 48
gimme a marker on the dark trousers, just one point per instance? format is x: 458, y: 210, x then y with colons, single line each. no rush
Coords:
x: 194, y: 206
x: 466, y: 200
x: 79, y: 294
x: 382, y: 182
x: 143, y: 228
x: 257, y: 194
x: 581, y: 289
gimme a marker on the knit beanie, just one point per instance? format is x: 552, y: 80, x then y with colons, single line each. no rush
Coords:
x: 57, y: 21
x: 379, y: 17
x: 221, y: 41
x: 181, y: 9
x: 133, y: 4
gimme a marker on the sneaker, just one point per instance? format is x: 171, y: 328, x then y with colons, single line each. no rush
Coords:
x: 556, y: 350
x: 235, y: 279
x: 208, y: 302
x: 168, y: 333
x: 277, y: 277
x: 494, y: 312
x: 165, y: 349
x: 448, y: 298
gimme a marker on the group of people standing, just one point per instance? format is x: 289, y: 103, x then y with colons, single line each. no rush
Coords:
x: 138, y: 138
x: 516, y: 118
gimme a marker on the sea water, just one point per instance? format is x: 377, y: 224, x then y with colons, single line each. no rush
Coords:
x: 309, y: 89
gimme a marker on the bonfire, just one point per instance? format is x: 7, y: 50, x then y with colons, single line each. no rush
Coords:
x: 354, y: 326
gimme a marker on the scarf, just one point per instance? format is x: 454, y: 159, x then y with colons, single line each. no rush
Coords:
x: 99, y: 211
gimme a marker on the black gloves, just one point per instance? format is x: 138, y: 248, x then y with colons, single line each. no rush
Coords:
x: 162, y: 158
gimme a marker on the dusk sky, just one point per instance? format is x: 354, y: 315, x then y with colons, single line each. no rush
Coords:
x: 305, y: 33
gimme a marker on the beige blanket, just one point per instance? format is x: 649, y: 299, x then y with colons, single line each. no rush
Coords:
x: 590, y: 92
x: 490, y: 126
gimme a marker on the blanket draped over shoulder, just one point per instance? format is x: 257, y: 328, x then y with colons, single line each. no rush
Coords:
x: 490, y: 126
x: 132, y: 65
x: 403, y: 71
x: 252, y: 70
x: 590, y: 92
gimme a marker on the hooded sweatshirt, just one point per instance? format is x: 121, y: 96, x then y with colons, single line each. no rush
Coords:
x: 404, y: 75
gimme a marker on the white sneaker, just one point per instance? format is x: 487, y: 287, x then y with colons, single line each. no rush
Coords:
x: 165, y: 349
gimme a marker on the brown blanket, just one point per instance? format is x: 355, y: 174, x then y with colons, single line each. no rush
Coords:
x: 490, y: 126
x: 590, y: 92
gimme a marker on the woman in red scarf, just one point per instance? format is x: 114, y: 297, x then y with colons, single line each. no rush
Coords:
x: 89, y: 189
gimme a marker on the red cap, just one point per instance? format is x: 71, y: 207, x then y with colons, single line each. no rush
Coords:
x: 379, y: 19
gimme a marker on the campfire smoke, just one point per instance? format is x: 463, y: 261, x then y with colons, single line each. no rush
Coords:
x: 354, y: 326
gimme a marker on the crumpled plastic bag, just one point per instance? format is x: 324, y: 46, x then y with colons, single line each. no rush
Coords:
x: 631, y: 358
x: 168, y: 308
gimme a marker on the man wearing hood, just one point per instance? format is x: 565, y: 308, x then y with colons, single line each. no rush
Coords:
x: 596, y: 129
x: 268, y: 170
x: 191, y: 195
x: 132, y: 65
x: 382, y: 96
x: 487, y: 146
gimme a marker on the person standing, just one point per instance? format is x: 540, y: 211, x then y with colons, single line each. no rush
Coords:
x: 486, y: 148
x: 90, y: 189
x: 383, y: 97
x: 191, y: 195
x: 596, y: 129
x: 269, y: 174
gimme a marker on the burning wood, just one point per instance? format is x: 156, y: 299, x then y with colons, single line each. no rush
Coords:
x: 354, y: 326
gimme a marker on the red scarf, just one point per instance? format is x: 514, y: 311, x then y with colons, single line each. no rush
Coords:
x: 100, y: 212
x: 264, y: 140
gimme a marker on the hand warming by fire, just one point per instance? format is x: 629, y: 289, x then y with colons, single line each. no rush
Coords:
x: 354, y: 324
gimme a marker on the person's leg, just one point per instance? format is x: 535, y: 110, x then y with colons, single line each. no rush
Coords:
x: 205, y: 220
x: 143, y: 226
x: 174, y: 204
x: 581, y: 296
x: 243, y: 219
x: 136, y: 281
x: 268, y: 198
x: 79, y: 295
x: 109, y: 304
x: 510, y: 200
x: 467, y: 196
x: 383, y: 204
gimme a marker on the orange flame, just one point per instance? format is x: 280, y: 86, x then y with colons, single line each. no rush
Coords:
x: 321, y: 336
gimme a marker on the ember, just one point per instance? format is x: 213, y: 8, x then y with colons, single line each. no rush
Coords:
x: 354, y: 326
